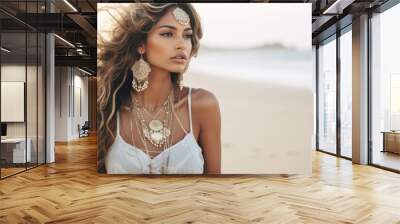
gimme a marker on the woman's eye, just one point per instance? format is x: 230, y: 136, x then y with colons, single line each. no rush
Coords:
x: 188, y: 36
x: 169, y: 34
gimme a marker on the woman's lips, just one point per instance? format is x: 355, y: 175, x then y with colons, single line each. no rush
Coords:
x: 179, y: 60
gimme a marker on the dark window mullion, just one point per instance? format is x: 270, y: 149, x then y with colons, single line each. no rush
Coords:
x: 26, y: 87
x: 338, y: 98
x: 369, y: 90
x: 317, y: 96
x: 0, y: 96
x: 37, y: 89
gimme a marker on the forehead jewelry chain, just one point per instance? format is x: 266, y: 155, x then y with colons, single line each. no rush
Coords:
x: 181, y: 16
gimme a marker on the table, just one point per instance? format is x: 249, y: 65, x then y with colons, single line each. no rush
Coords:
x: 13, y: 150
x: 391, y: 141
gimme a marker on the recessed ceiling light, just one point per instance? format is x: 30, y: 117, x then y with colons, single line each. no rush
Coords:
x: 64, y: 40
x: 86, y: 72
x: 337, y: 7
x: 70, y: 5
x: 5, y: 50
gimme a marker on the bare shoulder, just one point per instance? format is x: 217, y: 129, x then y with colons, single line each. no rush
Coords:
x: 204, y: 100
x: 206, y: 112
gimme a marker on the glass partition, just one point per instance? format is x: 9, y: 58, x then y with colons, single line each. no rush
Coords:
x: 41, y: 96
x: 31, y: 97
x: 13, y: 103
x: 22, y: 89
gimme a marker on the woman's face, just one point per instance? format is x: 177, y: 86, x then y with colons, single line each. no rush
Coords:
x: 169, y: 44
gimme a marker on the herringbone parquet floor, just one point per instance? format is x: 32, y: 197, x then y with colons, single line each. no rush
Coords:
x: 71, y: 191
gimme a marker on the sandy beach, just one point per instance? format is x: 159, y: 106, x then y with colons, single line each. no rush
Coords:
x: 266, y: 128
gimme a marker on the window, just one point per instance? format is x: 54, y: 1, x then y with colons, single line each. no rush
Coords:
x: 385, y: 88
x: 346, y: 94
x: 327, y: 97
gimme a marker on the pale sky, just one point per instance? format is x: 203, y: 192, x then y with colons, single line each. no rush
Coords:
x: 247, y: 24
x: 252, y: 24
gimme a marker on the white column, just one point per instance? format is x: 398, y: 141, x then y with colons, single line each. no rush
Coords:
x: 50, y: 93
x: 360, y: 90
x: 50, y: 109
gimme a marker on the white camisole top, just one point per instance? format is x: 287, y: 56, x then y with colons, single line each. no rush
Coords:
x: 184, y: 157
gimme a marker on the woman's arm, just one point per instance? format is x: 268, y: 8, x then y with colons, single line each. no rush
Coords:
x: 209, y: 118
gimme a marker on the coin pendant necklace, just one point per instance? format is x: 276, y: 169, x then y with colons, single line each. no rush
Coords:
x: 156, y: 131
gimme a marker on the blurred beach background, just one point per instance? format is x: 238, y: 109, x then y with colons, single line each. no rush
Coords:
x: 266, y: 104
x: 257, y: 60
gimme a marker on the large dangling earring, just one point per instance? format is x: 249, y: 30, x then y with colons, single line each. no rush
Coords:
x: 140, y: 70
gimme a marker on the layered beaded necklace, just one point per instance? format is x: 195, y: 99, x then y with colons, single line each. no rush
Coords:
x: 156, y: 131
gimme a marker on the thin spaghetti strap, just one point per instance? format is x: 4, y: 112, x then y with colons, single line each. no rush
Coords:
x: 190, y: 109
x: 117, y: 122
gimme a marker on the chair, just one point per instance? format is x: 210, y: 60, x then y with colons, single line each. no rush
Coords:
x: 84, y: 130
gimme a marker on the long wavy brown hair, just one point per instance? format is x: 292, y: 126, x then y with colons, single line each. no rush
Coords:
x: 115, y: 58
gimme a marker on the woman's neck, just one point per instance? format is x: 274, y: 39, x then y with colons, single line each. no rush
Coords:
x: 160, y: 86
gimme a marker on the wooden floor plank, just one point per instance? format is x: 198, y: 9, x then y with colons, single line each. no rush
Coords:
x: 71, y: 191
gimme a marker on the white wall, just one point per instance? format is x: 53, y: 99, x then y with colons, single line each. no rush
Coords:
x: 61, y: 103
x: 12, y: 100
x: 68, y: 83
x: 14, y: 73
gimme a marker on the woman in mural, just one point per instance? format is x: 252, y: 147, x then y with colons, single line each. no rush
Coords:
x: 148, y: 122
